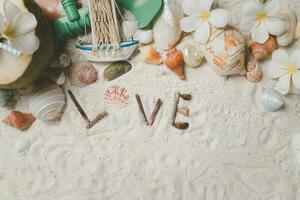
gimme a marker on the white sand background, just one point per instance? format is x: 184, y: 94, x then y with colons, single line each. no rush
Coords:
x: 233, y: 150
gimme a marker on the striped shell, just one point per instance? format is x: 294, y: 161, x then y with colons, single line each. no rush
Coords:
x: 83, y: 74
x: 116, y: 69
x: 254, y: 72
x: 47, y: 102
x: 263, y: 51
x: 5, y: 97
x: 19, y: 120
x: 225, y: 51
x: 116, y: 95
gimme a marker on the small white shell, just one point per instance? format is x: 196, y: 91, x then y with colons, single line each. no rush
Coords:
x: 21, y: 146
x: 291, y: 19
x: 48, y: 102
x: 144, y: 36
x: 192, y: 56
x: 272, y: 100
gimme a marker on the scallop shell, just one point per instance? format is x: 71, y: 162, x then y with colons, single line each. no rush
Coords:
x: 192, y: 56
x: 150, y: 55
x: 272, y: 100
x: 291, y: 19
x: 47, y: 102
x: 254, y: 72
x: 116, y: 70
x: 175, y: 62
x: 5, y: 97
x: 262, y: 51
x: 19, y: 120
x: 117, y: 95
x: 83, y: 74
x: 225, y: 51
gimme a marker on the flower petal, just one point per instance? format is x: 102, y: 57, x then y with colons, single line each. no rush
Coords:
x: 191, y: 7
x: 2, y: 24
x: 276, y: 26
x: 295, y: 58
x: 272, y: 8
x: 275, y: 70
x: 205, y: 5
x: 219, y: 18
x: 247, y: 25
x: 296, y: 79
x: 283, y: 84
x: 250, y: 9
x: 281, y: 57
x: 203, y: 32
x: 24, y: 23
x: 27, y: 43
x: 260, y: 33
x: 189, y: 24
x: 10, y: 11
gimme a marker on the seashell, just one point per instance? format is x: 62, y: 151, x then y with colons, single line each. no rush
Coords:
x: 192, y: 57
x: 144, y: 36
x: 5, y: 97
x: 117, y: 95
x: 181, y: 125
x: 186, y: 97
x: 83, y: 74
x: 47, y: 102
x: 150, y: 55
x: 291, y: 19
x: 166, y: 29
x: 184, y: 111
x: 116, y: 70
x: 175, y: 62
x: 21, y: 146
x: 254, y: 72
x: 262, y: 51
x: 225, y: 51
x: 272, y: 100
x: 19, y: 120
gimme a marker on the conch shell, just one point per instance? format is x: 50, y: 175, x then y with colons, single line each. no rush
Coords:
x: 19, y: 120
x: 175, y: 62
x: 225, y: 51
x: 291, y: 19
x: 150, y: 55
x: 254, y: 72
x: 262, y: 51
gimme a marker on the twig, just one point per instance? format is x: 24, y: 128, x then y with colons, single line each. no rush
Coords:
x: 155, y: 111
x: 99, y: 117
x: 78, y: 106
x: 175, y: 107
x: 141, y: 109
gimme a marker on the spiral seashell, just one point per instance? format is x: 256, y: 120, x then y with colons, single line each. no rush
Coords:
x: 117, y: 95
x: 19, y: 120
x: 175, y: 62
x: 150, y: 55
x: 5, y: 97
x: 225, y: 51
x: 116, y: 69
x: 291, y: 19
x: 262, y: 51
x: 83, y: 74
x: 47, y: 102
x: 254, y: 72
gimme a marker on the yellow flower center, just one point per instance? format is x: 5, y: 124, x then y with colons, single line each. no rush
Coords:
x: 291, y: 69
x: 205, y: 15
x: 261, y: 16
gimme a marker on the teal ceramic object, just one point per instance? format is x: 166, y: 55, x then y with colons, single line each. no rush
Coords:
x: 143, y: 10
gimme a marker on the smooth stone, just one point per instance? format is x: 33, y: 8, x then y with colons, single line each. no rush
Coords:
x: 272, y: 100
x: 192, y: 57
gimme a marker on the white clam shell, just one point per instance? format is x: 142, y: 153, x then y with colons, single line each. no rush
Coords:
x: 21, y: 146
x: 166, y: 29
x: 47, y: 103
x: 291, y: 19
x: 192, y: 56
x: 144, y: 36
x: 272, y: 100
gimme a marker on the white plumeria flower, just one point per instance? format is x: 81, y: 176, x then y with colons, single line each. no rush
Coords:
x: 286, y: 68
x: 17, y: 28
x: 262, y: 19
x: 200, y: 17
